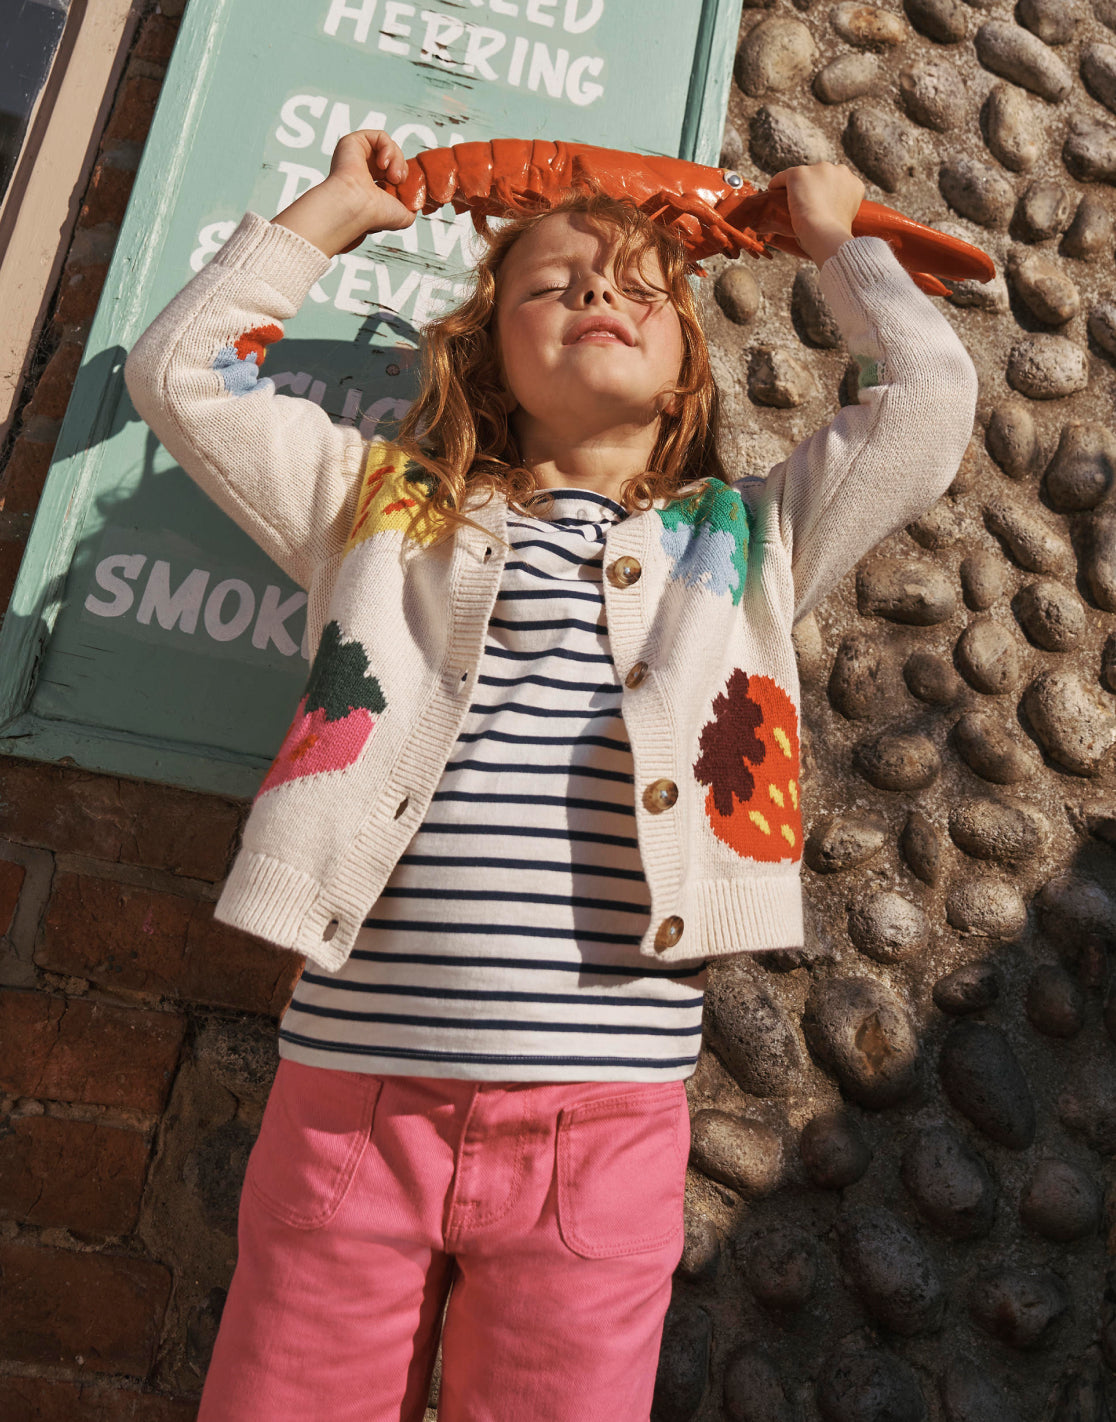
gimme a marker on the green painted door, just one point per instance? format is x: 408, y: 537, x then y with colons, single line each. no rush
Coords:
x: 147, y: 635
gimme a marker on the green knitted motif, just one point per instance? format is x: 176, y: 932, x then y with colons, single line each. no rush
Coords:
x: 706, y: 535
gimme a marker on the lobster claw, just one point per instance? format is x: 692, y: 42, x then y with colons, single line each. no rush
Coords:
x: 925, y: 253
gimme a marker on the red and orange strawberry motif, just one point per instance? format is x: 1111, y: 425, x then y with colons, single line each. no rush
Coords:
x: 750, y: 761
x: 335, y: 716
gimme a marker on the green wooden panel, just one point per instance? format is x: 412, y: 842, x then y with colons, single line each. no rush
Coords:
x: 147, y: 635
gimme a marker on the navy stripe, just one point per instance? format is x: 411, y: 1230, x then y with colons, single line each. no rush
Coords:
x: 496, y: 1024
x: 581, y: 836
x: 556, y: 625
x: 517, y: 708
x: 486, y: 896
x: 506, y: 738
x: 538, y: 656
x: 476, y: 995
x: 565, y: 801
x: 557, y: 595
x: 532, y: 865
x: 451, y: 930
x: 535, y: 679
x: 591, y: 771
x: 484, y: 1058
x: 462, y: 960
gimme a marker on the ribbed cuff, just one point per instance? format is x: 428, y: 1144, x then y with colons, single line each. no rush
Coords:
x: 285, y: 260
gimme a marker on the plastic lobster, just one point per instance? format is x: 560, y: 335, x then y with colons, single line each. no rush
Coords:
x: 713, y: 210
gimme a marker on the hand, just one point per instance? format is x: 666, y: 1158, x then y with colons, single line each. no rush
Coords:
x: 823, y: 199
x: 339, y: 212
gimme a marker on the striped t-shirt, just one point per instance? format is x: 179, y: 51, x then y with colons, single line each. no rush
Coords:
x: 505, y: 944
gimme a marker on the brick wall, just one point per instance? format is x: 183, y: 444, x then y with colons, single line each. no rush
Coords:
x: 136, y: 1035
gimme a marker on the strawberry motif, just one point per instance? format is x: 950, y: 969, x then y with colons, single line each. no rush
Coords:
x: 750, y: 761
x: 335, y: 717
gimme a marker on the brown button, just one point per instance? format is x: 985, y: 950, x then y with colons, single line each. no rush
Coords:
x: 636, y: 675
x: 670, y: 931
x: 626, y: 571
x: 660, y: 795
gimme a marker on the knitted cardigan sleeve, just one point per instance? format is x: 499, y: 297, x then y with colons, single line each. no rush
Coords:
x: 882, y: 462
x: 276, y: 464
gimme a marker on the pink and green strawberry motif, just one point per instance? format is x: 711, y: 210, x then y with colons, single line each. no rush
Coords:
x: 335, y: 716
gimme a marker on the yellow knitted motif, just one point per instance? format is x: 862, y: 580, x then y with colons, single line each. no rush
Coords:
x: 390, y: 501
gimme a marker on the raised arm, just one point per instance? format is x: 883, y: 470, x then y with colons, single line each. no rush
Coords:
x: 276, y: 464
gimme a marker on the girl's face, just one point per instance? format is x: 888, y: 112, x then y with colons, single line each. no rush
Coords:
x: 582, y: 347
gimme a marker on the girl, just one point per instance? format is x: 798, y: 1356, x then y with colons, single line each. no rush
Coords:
x: 545, y: 767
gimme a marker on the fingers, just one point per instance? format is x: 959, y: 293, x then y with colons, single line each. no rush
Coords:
x: 388, y: 157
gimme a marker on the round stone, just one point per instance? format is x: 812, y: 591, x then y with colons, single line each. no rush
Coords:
x: 1074, y: 908
x: 1021, y: 57
x: 1083, y: 468
x: 921, y: 847
x: 1102, y: 325
x: 1089, y: 151
x: 983, y: 579
x: 888, y: 927
x: 1090, y: 233
x: 1060, y: 1202
x: 949, y: 1183
x: 1011, y: 126
x: 970, y: 988
x: 834, y: 1150
x: 1072, y: 725
x: 683, y: 1372
x: 913, y: 591
x: 997, y: 830
x: 860, y: 1030
x: 939, y: 527
x: 849, y: 76
x: 870, y: 1385
x: 932, y: 94
x: 931, y: 679
x: 988, y: 657
x: 842, y: 842
x: 863, y: 677
x: 701, y: 1250
x: 812, y: 318
x: 781, y: 1266
x: 1047, y: 368
x: 1012, y: 439
x: 992, y: 751
x: 1054, y: 1003
x: 776, y: 54
x: 752, y: 1390
x: 1098, y: 73
x: 744, y: 1154
x: 984, y: 1081
x: 942, y: 20
x: 737, y: 293
x: 881, y: 146
x: 986, y: 907
x: 1017, y: 1306
x: 1043, y: 286
x: 1029, y: 539
x: 1052, y: 616
x: 1044, y: 210
x: 749, y: 1031
x: 898, y: 761
x: 1099, y: 561
x: 1054, y: 21
x: 891, y: 1270
x: 867, y: 25
x: 779, y: 379
x: 782, y: 138
x: 976, y: 191
x: 1087, y: 1105
x: 969, y: 1394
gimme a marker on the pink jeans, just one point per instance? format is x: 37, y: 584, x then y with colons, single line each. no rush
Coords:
x: 553, y: 1209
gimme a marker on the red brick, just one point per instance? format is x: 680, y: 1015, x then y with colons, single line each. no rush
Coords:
x: 126, y: 821
x: 106, y: 197
x: 58, y: 1305
x: 52, y: 393
x: 156, y: 39
x: 70, y: 1049
x: 11, y: 881
x: 141, y: 940
x: 82, y: 1175
x: 79, y: 293
x: 39, y: 1400
x: 133, y: 111
x: 24, y: 475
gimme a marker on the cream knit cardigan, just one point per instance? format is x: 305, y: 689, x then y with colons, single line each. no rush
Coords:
x: 700, y: 593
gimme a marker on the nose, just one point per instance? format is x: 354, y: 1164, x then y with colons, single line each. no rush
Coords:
x: 597, y: 290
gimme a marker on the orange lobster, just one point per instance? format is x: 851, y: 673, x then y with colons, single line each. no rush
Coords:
x: 713, y: 210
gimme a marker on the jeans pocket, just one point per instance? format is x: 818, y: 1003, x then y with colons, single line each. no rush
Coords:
x: 315, y: 1130
x: 622, y: 1171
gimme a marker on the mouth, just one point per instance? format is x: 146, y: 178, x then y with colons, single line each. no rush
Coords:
x: 603, y: 328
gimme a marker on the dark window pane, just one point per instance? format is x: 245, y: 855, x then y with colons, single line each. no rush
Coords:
x: 29, y: 35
